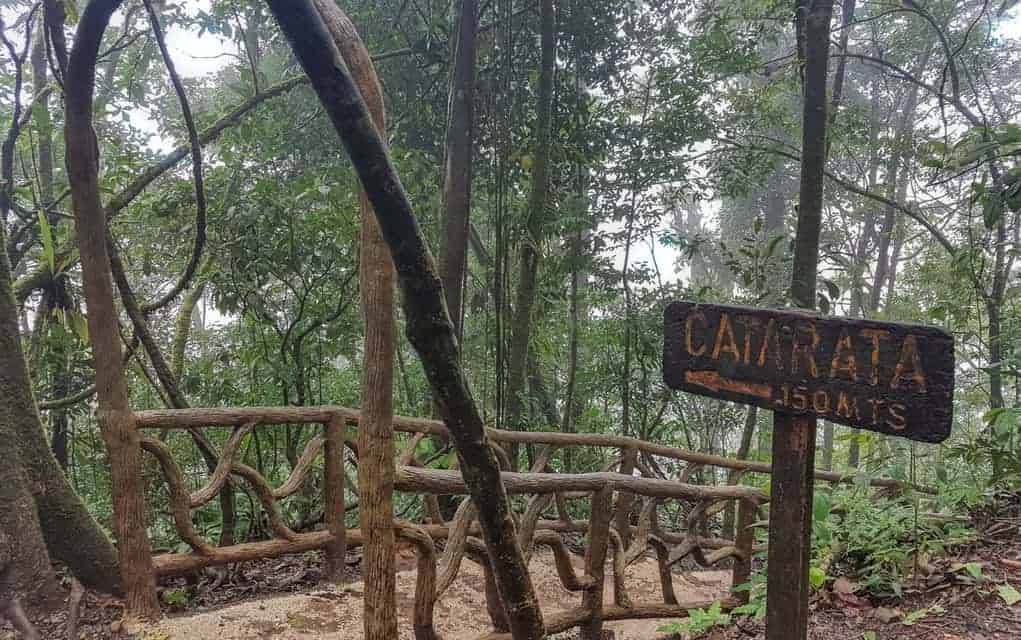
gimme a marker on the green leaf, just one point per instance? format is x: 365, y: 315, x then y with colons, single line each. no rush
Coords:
x: 820, y: 507
x: 1009, y: 594
x: 974, y: 569
x: 80, y: 326
x: 868, y: 635
x: 46, y: 235
x: 914, y: 617
x: 816, y: 577
x: 1008, y: 133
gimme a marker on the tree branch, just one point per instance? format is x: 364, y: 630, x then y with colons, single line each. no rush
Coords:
x: 853, y: 188
x: 196, y: 162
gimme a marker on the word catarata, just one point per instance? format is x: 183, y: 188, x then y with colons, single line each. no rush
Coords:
x: 861, y: 356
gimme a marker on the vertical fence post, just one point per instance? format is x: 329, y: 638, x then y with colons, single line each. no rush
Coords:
x: 595, y: 561
x: 333, y: 499
x: 744, y: 540
x: 625, y: 500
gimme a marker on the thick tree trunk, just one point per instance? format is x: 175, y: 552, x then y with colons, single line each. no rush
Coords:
x: 532, y: 242
x: 70, y: 533
x: 28, y: 570
x: 429, y: 327
x: 115, y: 416
x: 457, y: 173
x: 375, y: 429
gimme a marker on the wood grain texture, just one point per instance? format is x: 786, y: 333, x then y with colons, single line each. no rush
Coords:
x: 115, y: 417
x: 887, y: 377
x: 375, y: 433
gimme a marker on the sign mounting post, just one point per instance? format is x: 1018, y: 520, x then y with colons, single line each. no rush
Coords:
x: 890, y: 378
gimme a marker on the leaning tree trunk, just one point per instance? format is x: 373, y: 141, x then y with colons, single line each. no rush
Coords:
x: 429, y: 327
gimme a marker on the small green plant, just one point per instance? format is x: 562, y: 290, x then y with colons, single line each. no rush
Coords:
x: 175, y: 597
x: 875, y: 542
x: 698, y: 622
x: 756, y: 588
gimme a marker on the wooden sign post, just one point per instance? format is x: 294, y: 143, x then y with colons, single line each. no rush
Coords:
x: 886, y: 377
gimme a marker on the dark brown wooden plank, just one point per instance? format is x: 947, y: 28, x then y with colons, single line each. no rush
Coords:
x: 882, y: 376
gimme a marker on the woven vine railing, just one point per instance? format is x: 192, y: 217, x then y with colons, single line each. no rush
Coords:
x: 544, y: 521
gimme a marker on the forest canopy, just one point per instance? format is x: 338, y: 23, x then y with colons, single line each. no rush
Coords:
x: 575, y: 166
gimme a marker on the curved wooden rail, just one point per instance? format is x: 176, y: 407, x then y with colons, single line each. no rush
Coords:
x: 237, y: 416
x: 612, y: 539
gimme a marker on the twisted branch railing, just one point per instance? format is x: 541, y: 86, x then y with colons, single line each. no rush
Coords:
x: 610, y: 534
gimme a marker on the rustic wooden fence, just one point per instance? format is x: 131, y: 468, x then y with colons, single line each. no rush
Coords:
x: 609, y: 529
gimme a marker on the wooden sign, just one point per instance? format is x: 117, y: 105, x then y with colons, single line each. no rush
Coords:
x: 887, y: 377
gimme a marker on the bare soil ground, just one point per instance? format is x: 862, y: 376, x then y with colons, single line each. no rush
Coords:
x: 335, y: 613
x: 283, y: 600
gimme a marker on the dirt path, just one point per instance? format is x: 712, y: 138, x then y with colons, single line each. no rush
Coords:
x: 334, y: 614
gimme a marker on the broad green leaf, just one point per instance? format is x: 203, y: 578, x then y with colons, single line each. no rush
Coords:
x: 71, y: 10
x: 1009, y: 594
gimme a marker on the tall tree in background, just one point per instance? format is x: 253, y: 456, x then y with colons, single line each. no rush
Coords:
x: 533, y: 238
x: 457, y: 164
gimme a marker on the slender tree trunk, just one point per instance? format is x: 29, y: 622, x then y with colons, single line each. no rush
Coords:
x: 58, y: 358
x: 578, y: 244
x: 174, y: 396
x: 571, y: 403
x: 457, y: 174
x: 743, y: 449
x: 375, y: 429
x: 182, y: 327
x: 532, y: 242
x: 115, y: 416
